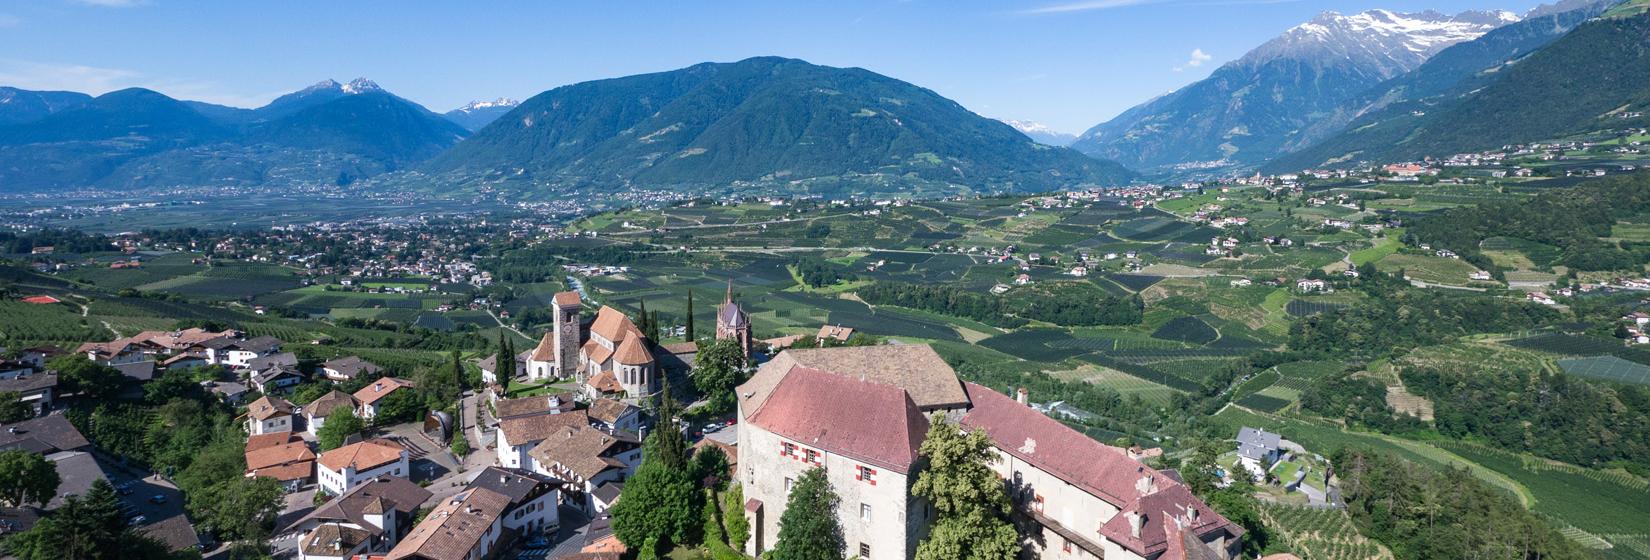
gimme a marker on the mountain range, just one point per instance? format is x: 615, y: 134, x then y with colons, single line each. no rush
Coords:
x: 132, y: 138
x: 767, y: 120
x: 1285, y: 93
x: 1339, y: 90
x: 1547, y: 76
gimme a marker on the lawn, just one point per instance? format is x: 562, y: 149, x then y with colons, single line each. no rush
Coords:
x: 1383, y: 248
x: 1428, y: 268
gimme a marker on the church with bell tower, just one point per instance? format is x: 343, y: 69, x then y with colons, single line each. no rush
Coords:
x: 732, y: 322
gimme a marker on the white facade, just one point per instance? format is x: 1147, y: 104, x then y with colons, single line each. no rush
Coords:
x: 882, y: 519
x: 340, y: 481
x: 277, y: 423
x: 513, y: 455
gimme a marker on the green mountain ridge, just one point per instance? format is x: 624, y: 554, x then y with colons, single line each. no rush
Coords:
x: 768, y: 119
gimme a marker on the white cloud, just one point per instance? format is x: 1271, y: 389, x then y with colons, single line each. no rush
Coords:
x: 97, y: 81
x: 1198, y: 58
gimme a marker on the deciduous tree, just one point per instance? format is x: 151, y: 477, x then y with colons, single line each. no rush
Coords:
x: 26, y: 478
x: 967, y: 495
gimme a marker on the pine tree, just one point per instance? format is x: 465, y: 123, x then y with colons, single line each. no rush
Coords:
x: 809, y: 530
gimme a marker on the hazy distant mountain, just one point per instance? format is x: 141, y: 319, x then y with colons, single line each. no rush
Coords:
x: 1042, y: 133
x: 1284, y: 93
x: 21, y: 105
x: 1543, y: 76
x: 478, y: 114
x: 138, y: 138
x: 774, y: 120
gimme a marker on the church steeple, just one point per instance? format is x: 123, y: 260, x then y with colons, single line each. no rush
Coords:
x: 731, y: 321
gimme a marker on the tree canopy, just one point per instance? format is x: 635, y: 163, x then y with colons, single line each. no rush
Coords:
x: 809, y: 529
x: 26, y: 478
x: 968, y: 498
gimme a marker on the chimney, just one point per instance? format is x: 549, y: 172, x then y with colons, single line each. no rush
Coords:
x: 1022, y: 396
x: 1136, y: 521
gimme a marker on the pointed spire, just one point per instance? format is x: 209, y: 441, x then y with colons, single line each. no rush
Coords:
x: 729, y: 299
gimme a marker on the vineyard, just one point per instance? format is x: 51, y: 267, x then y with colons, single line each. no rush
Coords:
x: 57, y: 323
x: 1321, y: 534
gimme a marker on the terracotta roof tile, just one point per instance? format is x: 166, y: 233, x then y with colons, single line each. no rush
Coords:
x: 633, y: 352
x: 566, y: 298
x: 363, y: 455
x: 269, y: 407
x: 613, y: 325
x: 883, y: 426
x: 581, y: 451
x: 595, y: 352
x: 454, y: 528
x: 525, y: 429
x: 380, y: 389
x: 329, y: 403
x: 915, y: 368
x: 605, y: 383
x: 546, y: 350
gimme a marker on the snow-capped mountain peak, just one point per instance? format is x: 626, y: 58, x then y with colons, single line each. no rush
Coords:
x: 502, y: 102
x: 1388, y: 42
x: 1041, y: 133
x: 360, y: 85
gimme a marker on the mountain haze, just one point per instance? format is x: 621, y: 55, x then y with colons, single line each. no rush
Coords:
x: 136, y: 138
x: 770, y: 120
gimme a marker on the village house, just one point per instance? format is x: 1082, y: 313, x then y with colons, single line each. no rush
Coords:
x: 351, y: 465
x: 586, y: 457
x: 836, y: 333
x: 616, y: 416
x: 347, y: 368
x: 463, y: 527
x: 374, y: 394
x: 1084, y: 499
x: 317, y: 411
x: 520, y: 433
x: 370, y: 518
x: 281, y: 456
x: 533, y: 498
x: 269, y: 415
x: 36, y: 390
x: 1258, y: 449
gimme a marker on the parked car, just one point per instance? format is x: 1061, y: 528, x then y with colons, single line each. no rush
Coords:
x: 712, y: 428
x: 137, y: 520
x: 157, y: 499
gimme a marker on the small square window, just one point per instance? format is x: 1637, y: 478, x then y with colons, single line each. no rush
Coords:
x: 788, y: 483
x: 864, y: 550
x: 865, y: 512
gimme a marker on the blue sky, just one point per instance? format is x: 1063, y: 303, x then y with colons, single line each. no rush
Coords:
x: 1067, y: 63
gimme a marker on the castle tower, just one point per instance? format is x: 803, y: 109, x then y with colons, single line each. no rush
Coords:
x: 565, y: 334
x: 732, y: 322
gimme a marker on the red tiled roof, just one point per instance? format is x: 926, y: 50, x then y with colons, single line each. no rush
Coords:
x: 380, y: 389
x: 566, y: 298
x: 595, y: 352
x: 633, y: 352
x: 546, y: 350
x: 40, y: 300
x: 606, y: 383
x: 1101, y: 470
x: 363, y: 455
x: 613, y: 325
x: 882, y: 426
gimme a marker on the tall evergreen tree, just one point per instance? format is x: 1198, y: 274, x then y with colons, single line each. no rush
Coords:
x: 809, y: 530
x: 968, y: 498
x: 458, y: 373
x: 660, y: 504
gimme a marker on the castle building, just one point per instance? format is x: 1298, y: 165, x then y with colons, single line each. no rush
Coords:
x: 732, y: 322
x: 613, y: 359
x: 862, y: 413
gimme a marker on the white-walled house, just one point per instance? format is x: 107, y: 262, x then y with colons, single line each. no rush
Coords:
x: 349, y: 466
x: 518, y: 435
x: 371, y: 396
x: 268, y: 415
x: 587, y: 457
x: 370, y: 518
x: 317, y: 411
x: 463, y: 527
x: 533, y: 498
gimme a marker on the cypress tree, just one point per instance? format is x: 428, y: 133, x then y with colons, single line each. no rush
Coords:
x: 688, y: 328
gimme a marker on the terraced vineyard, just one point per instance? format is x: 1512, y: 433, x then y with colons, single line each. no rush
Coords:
x: 1321, y: 534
